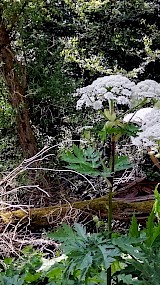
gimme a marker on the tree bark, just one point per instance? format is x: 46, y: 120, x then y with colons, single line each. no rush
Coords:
x: 122, y: 210
x: 16, y: 86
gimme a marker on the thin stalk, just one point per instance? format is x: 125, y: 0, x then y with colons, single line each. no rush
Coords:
x: 111, y: 185
x: 112, y: 168
x: 110, y: 209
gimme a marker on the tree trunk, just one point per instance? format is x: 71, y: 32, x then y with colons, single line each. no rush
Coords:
x: 122, y: 210
x: 16, y: 86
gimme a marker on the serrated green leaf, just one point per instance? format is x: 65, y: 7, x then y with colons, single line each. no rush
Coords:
x: 84, y: 169
x: 8, y: 260
x: 108, y: 255
x: 85, y: 161
x: 14, y: 280
x: 156, y: 205
x: 133, y: 230
x: 129, y: 280
x: 152, y: 231
x: 130, y: 245
x: 63, y: 233
x: 86, y: 262
x: 78, y: 151
x: 81, y: 231
x: 150, y: 228
x: 68, y: 156
x: 131, y: 129
x: 122, y: 163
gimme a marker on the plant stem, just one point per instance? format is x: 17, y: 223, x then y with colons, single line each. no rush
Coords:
x: 112, y: 158
x: 111, y: 186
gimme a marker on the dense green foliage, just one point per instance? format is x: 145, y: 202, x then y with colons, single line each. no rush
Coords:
x: 62, y: 42
x: 133, y: 257
x: 55, y: 47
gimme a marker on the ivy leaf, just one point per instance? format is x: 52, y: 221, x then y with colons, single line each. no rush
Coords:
x: 32, y: 277
x: 56, y: 271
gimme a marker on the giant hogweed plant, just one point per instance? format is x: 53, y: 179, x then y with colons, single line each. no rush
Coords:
x: 112, y: 91
x: 133, y: 258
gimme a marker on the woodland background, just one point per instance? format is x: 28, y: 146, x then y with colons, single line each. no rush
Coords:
x: 49, y: 48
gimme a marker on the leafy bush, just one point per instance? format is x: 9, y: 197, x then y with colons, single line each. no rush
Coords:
x: 134, y: 258
x: 89, y: 255
x: 22, y: 270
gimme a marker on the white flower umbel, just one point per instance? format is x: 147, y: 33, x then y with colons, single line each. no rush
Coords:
x: 149, y: 119
x: 147, y: 89
x: 138, y: 116
x: 115, y: 87
x: 123, y: 91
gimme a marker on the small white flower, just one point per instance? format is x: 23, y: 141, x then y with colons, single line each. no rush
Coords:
x: 97, y: 105
x: 101, y: 90
x: 122, y: 100
x: 109, y: 95
x: 115, y: 90
x: 126, y: 92
x: 80, y: 103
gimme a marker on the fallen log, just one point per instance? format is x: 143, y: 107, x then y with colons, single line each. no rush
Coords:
x: 123, y: 209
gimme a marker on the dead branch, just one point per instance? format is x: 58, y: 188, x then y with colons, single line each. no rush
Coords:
x: 122, y: 210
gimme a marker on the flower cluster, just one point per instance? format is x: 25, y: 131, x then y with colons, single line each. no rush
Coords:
x: 146, y: 89
x: 137, y: 117
x: 123, y: 91
x: 149, y: 119
x: 115, y: 87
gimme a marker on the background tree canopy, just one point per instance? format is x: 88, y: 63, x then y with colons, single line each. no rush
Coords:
x: 47, y: 48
